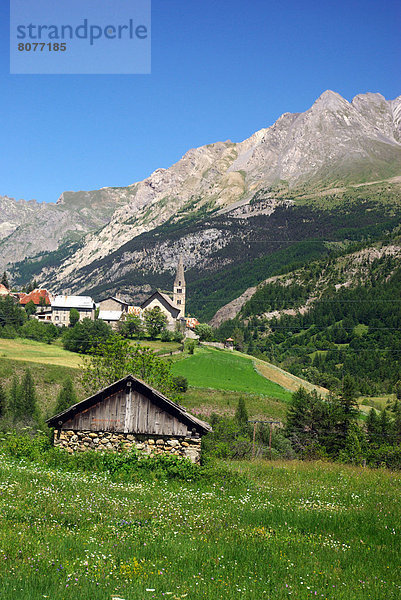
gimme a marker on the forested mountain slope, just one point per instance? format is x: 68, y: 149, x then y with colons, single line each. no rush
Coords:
x: 333, y: 317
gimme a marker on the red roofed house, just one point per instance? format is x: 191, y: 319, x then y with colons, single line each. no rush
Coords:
x: 38, y: 297
x: 42, y: 299
x: 3, y: 290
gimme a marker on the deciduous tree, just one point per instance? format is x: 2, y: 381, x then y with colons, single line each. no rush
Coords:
x: 117, y: 357
x: 74, y: 317
x: 155, y: 321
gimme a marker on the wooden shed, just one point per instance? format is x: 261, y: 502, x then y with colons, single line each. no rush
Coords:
x: 229, y: 344
x: 129, y: 413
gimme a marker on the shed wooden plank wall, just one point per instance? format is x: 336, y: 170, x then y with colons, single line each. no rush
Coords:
x: 129, y: 412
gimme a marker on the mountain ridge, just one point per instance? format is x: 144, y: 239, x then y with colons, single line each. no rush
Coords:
x: 205, y: 198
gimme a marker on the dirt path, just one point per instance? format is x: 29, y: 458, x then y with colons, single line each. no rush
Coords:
x: 286, y: 380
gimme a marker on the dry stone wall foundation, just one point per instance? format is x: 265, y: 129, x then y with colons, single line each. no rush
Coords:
x: 79, y: 441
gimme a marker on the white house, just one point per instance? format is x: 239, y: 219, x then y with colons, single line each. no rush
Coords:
x: 61, y: 306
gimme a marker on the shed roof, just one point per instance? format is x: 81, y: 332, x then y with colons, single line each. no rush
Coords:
x: 84, y: 302
x: 157, y: 397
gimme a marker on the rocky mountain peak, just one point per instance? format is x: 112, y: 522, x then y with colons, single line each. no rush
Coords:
x: 330, y: 100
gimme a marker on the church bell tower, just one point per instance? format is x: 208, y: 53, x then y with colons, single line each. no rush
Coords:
x: 179, y: 288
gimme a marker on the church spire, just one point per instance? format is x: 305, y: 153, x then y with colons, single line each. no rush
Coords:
x: 179, y: 288
x: 180, y: 278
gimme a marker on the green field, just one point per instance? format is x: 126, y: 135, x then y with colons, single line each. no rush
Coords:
x: 217, y: 378
x: 283, y: 530
x: 222, y: 370
x: 160, y: 347
x: 48, y: 380
x: 38, y: 352
x: 204, y: 402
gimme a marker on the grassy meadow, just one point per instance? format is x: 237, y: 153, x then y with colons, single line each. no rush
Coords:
x: 204, y: 402
x: 217, y: 378
x: 222, y: 370
x: 48, y: 380
x: 38, y: 352
x: 160, y: 347
x: 261, y: 530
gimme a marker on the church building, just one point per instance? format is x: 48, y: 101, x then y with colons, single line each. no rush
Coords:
x: 174, y: 309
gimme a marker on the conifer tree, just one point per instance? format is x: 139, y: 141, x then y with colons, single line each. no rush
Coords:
x: 241, y: 414
x: 14, y: 398
x: 397, y: 422
x: 384, y: 428
x: 3, y: 401
x: 27, y: 404
x: 372, y: 426
x: 353, y: 451
x: 66, y: 397
x: 348, y: 403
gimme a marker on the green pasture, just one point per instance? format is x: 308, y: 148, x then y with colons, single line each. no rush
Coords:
x: 38, y: 352
x: 204, y: 402
x: 217, y: 378
x: 222, y: 370
x: 160, y: 347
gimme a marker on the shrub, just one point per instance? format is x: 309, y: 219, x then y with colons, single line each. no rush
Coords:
x: 85, y: 335
x: 181, y: 383
x: 8, y: 332
x: 120, y: 465
x: 166, y: 336
x: 40, y: 332
x: 178, y: 336
x: 204, y: 331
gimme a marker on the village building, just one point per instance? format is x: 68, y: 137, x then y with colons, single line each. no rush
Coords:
x: 229, y: 344
x: 111, y: 317
x: 4, y: 291
x: 44, y: 314
x: 179, y: 289
x: 113, y: 303
x: 112, y: 309
x: 62, y: 305
x: 166, y: 305
x: 40, y: 298
x: 135, y: 311
x: 129, y: 414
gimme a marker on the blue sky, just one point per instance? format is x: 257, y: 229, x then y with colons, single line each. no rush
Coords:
x: 221, y: 70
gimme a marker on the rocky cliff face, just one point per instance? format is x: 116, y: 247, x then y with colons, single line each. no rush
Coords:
x: 28, y: 228
x: 335, y: 142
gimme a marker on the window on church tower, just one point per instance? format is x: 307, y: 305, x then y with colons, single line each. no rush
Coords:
x: 178, y: 301
x: 179, y: 291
